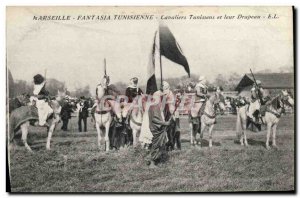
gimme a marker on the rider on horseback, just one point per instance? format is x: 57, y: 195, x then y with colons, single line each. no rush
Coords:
x: 258, y: 101
x: 201, y: 96
x: 132, y: 91
x: 41, y: 98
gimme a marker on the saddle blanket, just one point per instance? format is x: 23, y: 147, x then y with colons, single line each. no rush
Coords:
x: 21, y: 115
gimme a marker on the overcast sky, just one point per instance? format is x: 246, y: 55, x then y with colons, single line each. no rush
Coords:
x: 73, y: 51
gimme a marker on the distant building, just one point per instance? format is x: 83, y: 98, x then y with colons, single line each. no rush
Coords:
x: 272, y: 82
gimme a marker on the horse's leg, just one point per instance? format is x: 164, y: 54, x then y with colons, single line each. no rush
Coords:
x: 99, y: 134
x: 178, y: 141
x: 24, y: 129
x: 138, y: 133
x: 192, y: 134
x: 239, y: 126
x: 50, y: 133
x: 274, y: 135
x: 203, y: 126
x: 134, y: 133
x: 244, y: 131
x: 210, y: 135
x: 107, y: 142
x: 269, y: 126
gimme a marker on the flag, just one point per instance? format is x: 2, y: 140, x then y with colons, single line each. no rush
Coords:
x: 171, y: 49
x: 151, y: 82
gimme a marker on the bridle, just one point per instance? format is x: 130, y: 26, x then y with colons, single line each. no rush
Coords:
x: 217, y: 102
x: 280, y: 102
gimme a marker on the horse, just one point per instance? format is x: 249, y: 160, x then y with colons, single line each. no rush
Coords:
x: 208, y: 117
x: 242, y: 121
x: 24, y: 113
x: 273, y: 110
x: 135, y: 113
x: 103, y: 113
x: 135, y: 122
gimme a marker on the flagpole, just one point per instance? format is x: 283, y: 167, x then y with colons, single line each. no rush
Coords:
x: 161, y: 73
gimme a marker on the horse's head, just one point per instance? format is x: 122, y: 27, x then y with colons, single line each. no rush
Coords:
x: 286, y: 98
x: 24, y: 99
x: 218, y: 101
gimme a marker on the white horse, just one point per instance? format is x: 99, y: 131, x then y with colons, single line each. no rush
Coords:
x: 241, y: 124
x: 274, y: 109
x: 103, y: 116
x: 136, y: 118
x: 208, y: 119
x: 27, y: 121
x: 273, y: 113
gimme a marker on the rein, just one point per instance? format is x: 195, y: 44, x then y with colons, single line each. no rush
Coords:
x: 135, y: 122
x: 276, y: 113
x: 210, y: 116
x: 214, y: 111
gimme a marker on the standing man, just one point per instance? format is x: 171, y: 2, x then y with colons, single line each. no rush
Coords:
x: 41, y: 98
x: 169, y: 114
x: 83, y: 113
x: 157, y: 126
x: 65, y: 114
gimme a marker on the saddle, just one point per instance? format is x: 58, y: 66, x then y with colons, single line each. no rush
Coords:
x: 98, y: 108
x: 201, y: 111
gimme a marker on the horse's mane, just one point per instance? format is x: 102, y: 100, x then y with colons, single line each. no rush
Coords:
x: 213, y: 96
x: 275, y: 102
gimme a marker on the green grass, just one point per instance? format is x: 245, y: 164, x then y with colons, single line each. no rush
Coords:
x: 76, y: 165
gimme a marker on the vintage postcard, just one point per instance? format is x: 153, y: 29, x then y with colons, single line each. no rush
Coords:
x: 150, y: 99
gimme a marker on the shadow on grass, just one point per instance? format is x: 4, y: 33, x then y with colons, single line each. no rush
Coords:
x: 256, y: 142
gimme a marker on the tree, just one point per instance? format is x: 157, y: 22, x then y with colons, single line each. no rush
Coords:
x: 53, y: 85
x: 121, y: 87
x: 82, y: 91
x: 21, y: 87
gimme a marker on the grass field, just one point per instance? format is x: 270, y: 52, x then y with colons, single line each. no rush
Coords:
x: 76, y: 165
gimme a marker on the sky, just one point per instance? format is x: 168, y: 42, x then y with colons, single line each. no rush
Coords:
x: 73, y: 51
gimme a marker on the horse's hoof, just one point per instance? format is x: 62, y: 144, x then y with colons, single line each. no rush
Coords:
x: 275, y: 147
x: 268, y: 147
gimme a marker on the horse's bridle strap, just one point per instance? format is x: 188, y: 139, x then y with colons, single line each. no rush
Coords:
x: 210, y: 116
x: 278, y: 115
x: 137, y: 123
x: 101, y: 112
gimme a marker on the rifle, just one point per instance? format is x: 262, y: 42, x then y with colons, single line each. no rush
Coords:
x: 106, y: 76
x: 259, y: 93
x: 105, y: 67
